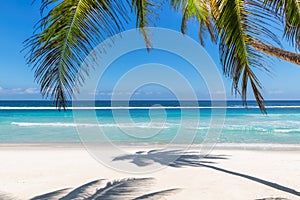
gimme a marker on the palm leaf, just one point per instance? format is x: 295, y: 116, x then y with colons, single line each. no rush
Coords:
x: 214, y: 9
x: 239, y: 23
x: 146, y: 14
x: 289, y: 11
x: 199, y: 11
x: 70, y: 30
x: 68, y: 33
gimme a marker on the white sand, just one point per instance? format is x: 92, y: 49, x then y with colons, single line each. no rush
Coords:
x: 26, y: 172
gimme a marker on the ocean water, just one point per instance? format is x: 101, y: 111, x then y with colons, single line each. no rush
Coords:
x: 144, y: 122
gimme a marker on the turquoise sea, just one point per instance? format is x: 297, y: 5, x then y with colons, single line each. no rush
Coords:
x: 40, y: 122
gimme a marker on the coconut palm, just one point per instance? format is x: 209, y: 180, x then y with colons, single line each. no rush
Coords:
x: 243, y: 30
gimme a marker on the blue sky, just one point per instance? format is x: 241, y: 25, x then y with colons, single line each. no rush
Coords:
x: 17, y: 19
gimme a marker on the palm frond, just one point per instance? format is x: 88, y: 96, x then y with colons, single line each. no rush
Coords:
x: 214, y: 9
x: 289, y: 12
x: 68, y: 33
x: 199, y: 11
x: 241, y: 22
x: 146, y: 14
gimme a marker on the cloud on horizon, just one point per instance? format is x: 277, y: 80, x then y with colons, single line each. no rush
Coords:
x: 18, y: 91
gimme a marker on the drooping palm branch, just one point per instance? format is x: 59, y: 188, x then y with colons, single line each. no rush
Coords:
x: 241, y: 22
x: 69, y: 32
x: 146, y: 13
x: 198, y: 10
x: 237, y: 23
x: 289, y: 12
x: 73, y: 27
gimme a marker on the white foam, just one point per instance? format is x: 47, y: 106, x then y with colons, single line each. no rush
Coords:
x: 124, y: 125
x: 286, y: 130
x: 55, y: 124
x: 258, y: 146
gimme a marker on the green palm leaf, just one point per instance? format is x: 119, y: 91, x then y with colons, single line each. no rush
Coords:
x: 289, y: 11
x: 69, y: 32
x: 146, y: 14
x: 241, y: 22
x: 198, y: 10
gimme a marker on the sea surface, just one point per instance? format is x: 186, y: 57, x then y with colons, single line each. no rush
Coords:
x: 149, y: 122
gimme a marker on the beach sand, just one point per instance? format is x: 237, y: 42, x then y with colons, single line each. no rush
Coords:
x: 29, y: 171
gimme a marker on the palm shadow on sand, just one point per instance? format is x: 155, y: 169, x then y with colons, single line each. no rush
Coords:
x: 173, y: 158
x: 125, y: 189
x: 135, y: 189
x: 177, y: 159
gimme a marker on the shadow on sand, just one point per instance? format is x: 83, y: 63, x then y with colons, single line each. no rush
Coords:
x: 135, y: 189
x: 191, y: 159
x: 126, y: 189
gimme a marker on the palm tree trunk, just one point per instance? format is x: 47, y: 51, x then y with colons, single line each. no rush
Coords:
x: 276, y: 52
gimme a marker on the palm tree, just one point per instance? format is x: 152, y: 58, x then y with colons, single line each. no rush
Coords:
x: 241, y: 28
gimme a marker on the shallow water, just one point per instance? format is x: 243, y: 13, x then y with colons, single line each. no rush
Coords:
x: 145, y: 122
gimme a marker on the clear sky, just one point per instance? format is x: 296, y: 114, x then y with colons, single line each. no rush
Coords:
x: 17, y: 18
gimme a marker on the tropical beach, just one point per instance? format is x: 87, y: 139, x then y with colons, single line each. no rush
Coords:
x: 146, y: 99
x: 46, y: 159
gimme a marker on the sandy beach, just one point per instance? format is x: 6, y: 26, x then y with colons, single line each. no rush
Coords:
x: 34, y: 171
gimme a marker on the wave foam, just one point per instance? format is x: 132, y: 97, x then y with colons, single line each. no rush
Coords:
x: 286, y: 130
x: 125, y: 125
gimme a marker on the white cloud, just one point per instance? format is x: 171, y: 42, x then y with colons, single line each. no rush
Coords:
x: 218, y: 92
x: 18, y: 91
x: 31, y: 91
x: 275, y: 92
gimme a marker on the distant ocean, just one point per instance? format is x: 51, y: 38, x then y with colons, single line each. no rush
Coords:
x: 40, y: 122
